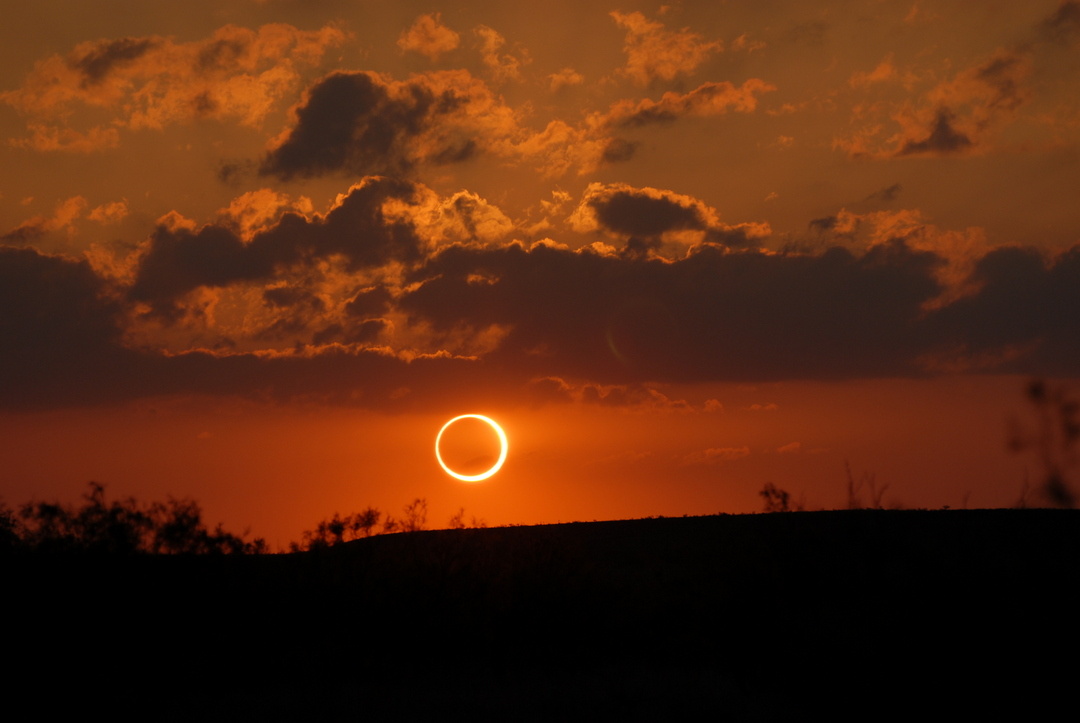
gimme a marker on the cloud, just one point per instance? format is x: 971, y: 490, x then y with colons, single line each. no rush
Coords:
x: 653, y: 53
x: 62, y: 219
x: 178, y: 259
x: 236, y: 74
x: 429, y: 37
x: 564, y: 79
x: 503, y: 66
x: 462, y: 216
x: 647, y: 217
x: 1025, y: 315
x: 709, y: 99
x: 727, y: 454
x: 708, y: 316
x: 959, y: 116
x: 543, y: 322
x: 63, y: 333
x: 109, y: 213
x: 1063, y: 25
x: 59, y: 321
x: 885, y: 195
x: 958, y: 250
x: 883, y: 72
x: 363, y: 123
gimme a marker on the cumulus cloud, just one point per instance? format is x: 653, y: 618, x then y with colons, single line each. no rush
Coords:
x: 957, y: 249
x: 545, y: 323
x: 62, y: 219
x: 363, y: 123
x: 654, y: 53
x: 647, y: 217
x: 502, y: 66
x: 565, y: 78
x: 461, y: 217
x: 956, y: 117
x: 179, y: 258
x: 236, y: 74
x: 709, y: 315
x: 429, y: 37
x: 109, y: 213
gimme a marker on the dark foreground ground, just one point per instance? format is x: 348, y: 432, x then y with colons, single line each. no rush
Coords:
x: 861, y: 614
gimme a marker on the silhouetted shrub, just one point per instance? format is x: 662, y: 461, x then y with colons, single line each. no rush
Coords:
x: 9, y: 529
x: 866, y: 483
x: 125, y: 526
x: 339, y: 529
x: 776, y: 499
x: 457, y: 521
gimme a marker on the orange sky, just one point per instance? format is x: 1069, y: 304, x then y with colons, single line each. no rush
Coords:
x: 257, y: 253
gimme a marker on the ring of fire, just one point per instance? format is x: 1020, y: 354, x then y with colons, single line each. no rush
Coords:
x: 503, y: 448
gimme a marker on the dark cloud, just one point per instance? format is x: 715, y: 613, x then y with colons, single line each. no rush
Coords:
x: 61, y: 330
x: 179, y: 260
x: 613, y: 324
x: 1026, y: 314
x: 365, y: 332
x: 708, y: 99
x: 58, y: 322
x: 618, y: 151
x: 943, y: 138
x: 712, y: 315
x: 287, y: 296
x: 1063, y: 25
x: 25, y: 233
x: 885, y: 195
x: 644, y: 215
x: 361, y: 124
x: 638, y: 214
x: 824, y: 224
x: 96, y: 62
x: 369, y: 302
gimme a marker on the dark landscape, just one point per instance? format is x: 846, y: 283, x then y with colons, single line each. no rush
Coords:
x: 748, y: 617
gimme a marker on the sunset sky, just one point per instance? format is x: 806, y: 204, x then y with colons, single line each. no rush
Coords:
x: 258, y: 252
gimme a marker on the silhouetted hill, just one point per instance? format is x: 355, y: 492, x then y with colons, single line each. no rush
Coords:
x: 753, y: 617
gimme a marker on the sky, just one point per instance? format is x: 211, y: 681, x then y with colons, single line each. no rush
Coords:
x: 257, y: 253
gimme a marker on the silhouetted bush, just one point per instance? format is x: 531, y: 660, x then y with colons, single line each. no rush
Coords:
x: 9, y: 528
x: 457, y: 521
x: 776, y: 499
x: 338, y: 529
x: 123, y: 526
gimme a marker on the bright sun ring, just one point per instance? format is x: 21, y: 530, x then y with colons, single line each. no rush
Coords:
x: 503, y: 445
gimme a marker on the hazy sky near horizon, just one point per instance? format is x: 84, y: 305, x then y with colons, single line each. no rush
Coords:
x: 681, y: 250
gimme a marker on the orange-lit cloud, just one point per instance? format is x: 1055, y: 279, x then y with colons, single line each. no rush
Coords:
x: 363, y: 123
x: 63, y: 218
x: 646, y: 218
x: 959, y: 116
x: 565, y: 78
x: 236, y: 74
x: 709, y: 99
x: 654, y: 53
x: 429, y: 37
x: 502, y: 66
